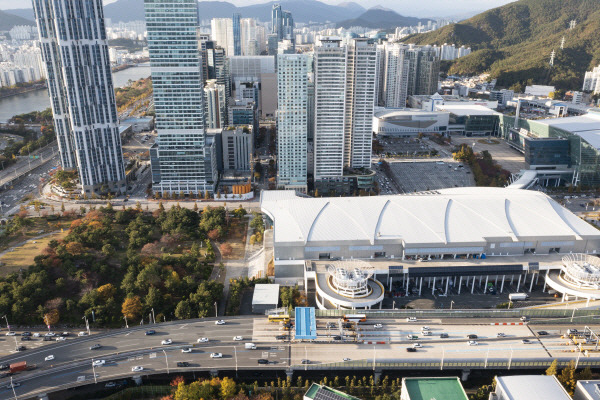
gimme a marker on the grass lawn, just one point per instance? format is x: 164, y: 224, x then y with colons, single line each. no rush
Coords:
x: 23, y: 256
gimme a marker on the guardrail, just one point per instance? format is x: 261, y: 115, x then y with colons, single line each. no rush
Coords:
x: 501, y: 313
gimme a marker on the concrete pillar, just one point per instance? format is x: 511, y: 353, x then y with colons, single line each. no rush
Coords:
x: 486, y: 282
x: 403, y: 279
x: 380, y: 304
x: 391, y: 279
x: 537, y: 278
x: 447, y: 280
x: 433, y: 286
x: 512, y: 277
x: 519, y: 283
x: 376, y: 376
x: 502, y: 284
x: 429, y: 282
x: 473, y: 285
x: 525, y: 279
x: 531, y: 284
x: 420, y: 286
x: 459, y: 284
x: 496, y: 283
x: 545, y: 279
x: 289, y: 373
x: 465, y: 375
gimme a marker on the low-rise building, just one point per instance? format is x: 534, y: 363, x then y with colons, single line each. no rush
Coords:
x: 446, y: 388
x: 265, y: 297
x: 587, y: 390
x: 321, y: 392
x: 140, y: 124
x: 529, y: 387
x: 408, y: 122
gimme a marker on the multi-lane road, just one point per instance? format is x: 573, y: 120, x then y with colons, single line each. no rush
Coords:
x: 123, y: 350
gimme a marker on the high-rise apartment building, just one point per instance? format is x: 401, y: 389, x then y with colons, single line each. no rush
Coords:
x: 591, y: 81
x: 344, y: 100
x: 395, y: 75
x: 180, y: 159
x: 221, y: 31
x: 424, y: 70
x: 215, y: 102
x: 250, y: 45
x: 237, y: 35
x: 292, y: 120
x: 75, y: 54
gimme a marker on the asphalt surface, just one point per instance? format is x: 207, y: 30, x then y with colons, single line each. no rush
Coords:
x: 124, y: 349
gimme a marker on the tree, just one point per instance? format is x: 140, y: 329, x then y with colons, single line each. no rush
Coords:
x: 226, y: 249
x: 228, y: 388
x: 132, y: 307
x: 184, y: 310
x: 108, y: 250
x: 214, y: 234
x: 62, y: 207
x: 553, y: 368
x: 75, y: 248
x: 51, y: 317
x: 106, y: 292
x: 567, y: 377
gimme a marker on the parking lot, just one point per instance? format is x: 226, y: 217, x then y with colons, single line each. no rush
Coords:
x: 430, y: 175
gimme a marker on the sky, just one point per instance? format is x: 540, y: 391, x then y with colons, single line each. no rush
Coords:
x: 423, y: 8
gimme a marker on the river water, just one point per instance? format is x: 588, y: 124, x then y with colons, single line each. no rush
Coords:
x: 38, y: 100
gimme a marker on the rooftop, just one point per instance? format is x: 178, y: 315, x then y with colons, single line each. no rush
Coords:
x: 444, y: 217
x: 306, y: 323
x: 434, y: 388
x: 466, y: 109
x: 528, y: 387
x: 589, y: 389
x: 266, y: 293
x: 586, y: 126
x: 319, y: 392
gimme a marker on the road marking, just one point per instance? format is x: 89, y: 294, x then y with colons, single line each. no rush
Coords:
x: 80, y: 378
x: 130, y: 358
x: 139, y: 357
x: 183, y: 326
x: 152, y: 355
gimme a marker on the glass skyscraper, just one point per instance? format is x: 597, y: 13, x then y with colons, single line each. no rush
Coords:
x: 179, y: 156
x: 75, y: 54
x: 237, y: 39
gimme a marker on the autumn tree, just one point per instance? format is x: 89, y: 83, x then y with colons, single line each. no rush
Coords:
x: 106, y: 292
x: 226, y: 249
x: 228, y: 388
x: 552, y: 369
x: 51, y: 317
x: 132, y: 307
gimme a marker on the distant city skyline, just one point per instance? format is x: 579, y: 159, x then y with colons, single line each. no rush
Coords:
x: 427, y: 8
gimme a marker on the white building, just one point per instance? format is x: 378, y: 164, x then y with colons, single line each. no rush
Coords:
x: 216, y: 105
x: 528, y: 387
x: 221, y: 30
x: 409, y: 122
x: 502, y: 96
x: 292, y: 120
x: 587, y: 390
x: 395, y: 75
x: 345, y: 79
x: 81, y: 89
x: 248, y: 37
x: 237, y: 149
x: 591, y: 82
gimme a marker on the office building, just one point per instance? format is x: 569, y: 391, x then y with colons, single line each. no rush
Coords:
x: 215, y: 101
x: 242, y: 113
x: 448, y: 388
x: 238, y: 147
x: 250, y: 68
x: 502, y: 96
x: 344, y: 97
x: 181, y: 158
x: 591, y: 81
x: 282, y: 23
x: 81, y: 92
x: 272, y: 44
x: 218, y: 66
x: 249, y: 42
x: 221, y: 30
x: 292, y: 121
x: 237, y: 34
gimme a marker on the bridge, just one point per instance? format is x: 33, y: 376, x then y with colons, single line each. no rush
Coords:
x: 521, y: 345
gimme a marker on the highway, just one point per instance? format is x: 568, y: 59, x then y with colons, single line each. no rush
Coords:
x: 124, y: 349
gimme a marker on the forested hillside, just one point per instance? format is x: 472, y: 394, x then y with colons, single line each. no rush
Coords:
x: 514, y: 42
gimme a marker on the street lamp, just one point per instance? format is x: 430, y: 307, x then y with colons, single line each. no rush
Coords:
x: 7, y: 325
x: 451, y: 304
x: 236, y: 360
x: 13, y: 387
x: 153, y: 316
x: 126, y: 325
x: 573, y: 314
x: 394, y: 304
x: 87, y: 325
x: 216, y: 313
x: 94, y: 371
x: 166, y: 360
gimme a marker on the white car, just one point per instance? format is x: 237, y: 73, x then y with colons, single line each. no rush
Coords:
x: 137, y: 368
x: 411, y: 319
x: 220, y: 322
x: 50, y: 334
x: 416, y: 345
x: 378, y: 326
x: 500, y: 334
x: 472, y: 343
x: 36, y: 334
x: 202, y: 340
x: 167, y: 341
x: 238, y: 338
x: 346, y: 359
x: 61, y: 339
x: 216, y: 355
x: 11, y: 333
x: 425, y: 328
x: 186, y: 350
x: 98, y: 363
x: 83, y: 334
x: 49, y: 358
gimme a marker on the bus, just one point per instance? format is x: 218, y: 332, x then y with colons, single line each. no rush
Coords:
x: 355, y: 318
x: 279, y: 318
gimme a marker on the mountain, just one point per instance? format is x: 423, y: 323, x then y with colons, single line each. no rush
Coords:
x: 26, y: 13
x: 513, y: 42
x: 303, y: 10
x: 8, y: 20
x: 381, y: 18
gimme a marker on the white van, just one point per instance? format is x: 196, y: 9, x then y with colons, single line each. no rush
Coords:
x: 250, y: 346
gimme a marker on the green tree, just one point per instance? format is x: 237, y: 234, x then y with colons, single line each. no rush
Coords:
x: 184, y: 310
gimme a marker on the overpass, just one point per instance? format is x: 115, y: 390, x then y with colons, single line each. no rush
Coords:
x: 364, y: 349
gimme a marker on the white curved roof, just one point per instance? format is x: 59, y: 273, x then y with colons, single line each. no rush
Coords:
x: 458, y: 215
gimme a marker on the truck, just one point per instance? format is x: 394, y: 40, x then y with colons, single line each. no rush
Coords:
x: 518, y: 296
x: 250, y: 346
x: 20, y: 366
